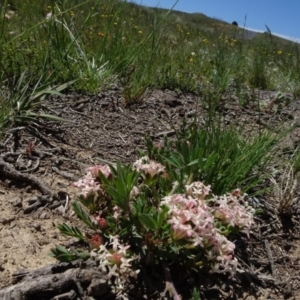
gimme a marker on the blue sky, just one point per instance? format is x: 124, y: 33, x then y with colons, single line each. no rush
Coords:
x: 281, y: 16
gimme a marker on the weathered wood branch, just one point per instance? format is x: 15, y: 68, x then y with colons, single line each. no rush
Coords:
x: 51, y: 285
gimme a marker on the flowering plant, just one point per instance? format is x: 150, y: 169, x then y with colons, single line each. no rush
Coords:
x: 137, y: 219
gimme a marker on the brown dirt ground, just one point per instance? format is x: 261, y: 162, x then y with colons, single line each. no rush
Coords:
x: 101, y: 128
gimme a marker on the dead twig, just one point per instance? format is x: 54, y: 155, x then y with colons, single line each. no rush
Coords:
x: 167, y: 133
x: 12, y: 173
x: 65, y: 174
x: 122, y: 138
x: 37, y: 165
x: 270, y: 257
x: 15, y: 129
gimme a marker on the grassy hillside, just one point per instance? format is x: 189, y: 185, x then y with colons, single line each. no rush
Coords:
x: 143, y: 46
x: 94, y: 43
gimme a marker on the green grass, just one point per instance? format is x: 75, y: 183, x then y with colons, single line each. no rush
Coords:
x: 95, y: 42
x: 145, y: 47
x: 221, y: 157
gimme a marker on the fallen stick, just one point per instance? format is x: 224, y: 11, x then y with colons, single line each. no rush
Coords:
x: 51, y: 285
x: 270, y: 257
x: 12, y: 173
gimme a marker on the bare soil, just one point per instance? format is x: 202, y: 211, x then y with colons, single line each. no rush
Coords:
x: 103, y: 128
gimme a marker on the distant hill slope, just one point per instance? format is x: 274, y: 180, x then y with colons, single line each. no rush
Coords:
x: 200, y: 20
x: 248, y: 34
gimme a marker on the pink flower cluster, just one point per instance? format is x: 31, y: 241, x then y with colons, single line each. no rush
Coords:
x: 193, y: 220
x: 231, y: 209
x: 104, y: 169
x: 148, y: 167
x: 89, y: 185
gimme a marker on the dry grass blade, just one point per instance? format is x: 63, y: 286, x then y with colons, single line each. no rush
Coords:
x: 284, y: 190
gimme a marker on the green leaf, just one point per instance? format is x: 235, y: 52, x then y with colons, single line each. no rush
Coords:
x: 82, y: 215
x: 148, y: 222
x: 174, y: 160
x: 81, y: 254
x: 192, y: 163
x: 62, y: 87
x: 71, y: 231
x: 161, y: 216
x: 120, y: 186
x: 63, y: 255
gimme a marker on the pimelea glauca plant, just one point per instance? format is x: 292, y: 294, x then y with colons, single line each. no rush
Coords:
x: 141, y: 216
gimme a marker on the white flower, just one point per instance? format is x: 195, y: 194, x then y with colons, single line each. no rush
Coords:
x: 197, y: 190
x: 116, y: 261
x: 48, y: 16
